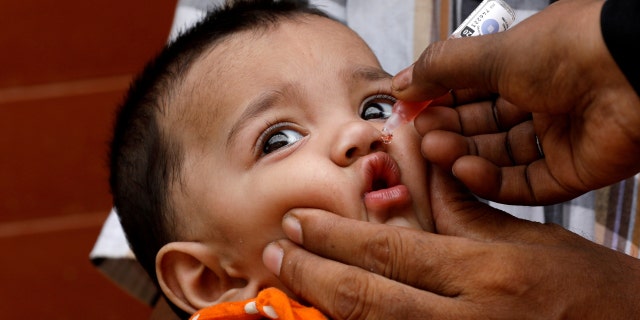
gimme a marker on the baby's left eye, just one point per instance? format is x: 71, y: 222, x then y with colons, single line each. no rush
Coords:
x: 279, y: 139
x: 377, y: 107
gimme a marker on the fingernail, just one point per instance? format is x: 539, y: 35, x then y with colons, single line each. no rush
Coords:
x: 402, y: 80
x: 292, y: 228
x: 272, y: 257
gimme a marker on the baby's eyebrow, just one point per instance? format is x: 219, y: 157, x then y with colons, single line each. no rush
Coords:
x: 268, y: 99
x: 369, y: 73
x: 261, y: 104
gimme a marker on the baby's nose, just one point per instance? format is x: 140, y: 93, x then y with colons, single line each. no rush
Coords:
x: 355, y: 139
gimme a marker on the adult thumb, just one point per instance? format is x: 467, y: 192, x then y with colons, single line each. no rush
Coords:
x: 452, y: 64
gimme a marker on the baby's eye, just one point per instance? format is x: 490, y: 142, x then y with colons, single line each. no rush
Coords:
x: 377, y: 107
x: 277, y: 139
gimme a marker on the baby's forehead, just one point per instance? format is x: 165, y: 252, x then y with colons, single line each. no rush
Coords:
x: 196, y: 97
x: 203, y: 90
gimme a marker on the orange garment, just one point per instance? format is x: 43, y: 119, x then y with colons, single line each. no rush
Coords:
x: 271, y: 303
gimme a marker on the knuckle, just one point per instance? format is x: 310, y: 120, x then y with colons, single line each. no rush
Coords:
x: 350, y: 300
x: 381, y: 252
x: 350, y: 293
x: 430, y: 53
x: 511, y: 280
x: 362, y: 298
x: 429, y: 72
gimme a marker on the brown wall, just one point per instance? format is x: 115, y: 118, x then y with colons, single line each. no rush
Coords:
x: 63, y: 68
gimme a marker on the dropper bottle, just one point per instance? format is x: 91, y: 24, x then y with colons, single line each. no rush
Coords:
x: 403, y: 112
x: 491, y: 16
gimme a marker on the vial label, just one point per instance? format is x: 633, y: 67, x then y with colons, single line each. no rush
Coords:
x: 489, y: 17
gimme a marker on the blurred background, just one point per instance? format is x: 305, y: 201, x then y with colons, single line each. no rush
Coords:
x: 64, y: 66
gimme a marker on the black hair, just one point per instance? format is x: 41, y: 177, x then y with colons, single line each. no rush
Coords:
x: 145, y: 161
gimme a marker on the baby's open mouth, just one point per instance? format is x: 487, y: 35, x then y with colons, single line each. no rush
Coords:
x: 383, y: 189
x: 380, y: 172
x: 379, y: 184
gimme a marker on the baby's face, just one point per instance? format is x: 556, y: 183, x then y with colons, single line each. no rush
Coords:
x: 291, y: 118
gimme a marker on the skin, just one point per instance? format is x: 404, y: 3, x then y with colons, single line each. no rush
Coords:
x: 233, y: 195
x: 483, y: 263
x: 556, y: 80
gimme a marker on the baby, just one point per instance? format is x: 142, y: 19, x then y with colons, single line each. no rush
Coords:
x: 262, y: 107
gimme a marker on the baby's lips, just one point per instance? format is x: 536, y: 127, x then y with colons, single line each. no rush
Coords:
x: 383, y: 192
x: 384, y: 199
x: 379, y: 171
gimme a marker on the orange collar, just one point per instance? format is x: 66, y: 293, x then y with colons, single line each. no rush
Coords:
x: 271, y: 303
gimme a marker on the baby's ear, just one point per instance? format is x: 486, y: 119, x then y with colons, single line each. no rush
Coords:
x: 193, y: 276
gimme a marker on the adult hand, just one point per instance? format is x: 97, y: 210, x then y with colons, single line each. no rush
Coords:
x: 553, y: 65
x: 484, y: 264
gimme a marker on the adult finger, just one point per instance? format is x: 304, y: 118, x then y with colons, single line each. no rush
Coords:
x: 472, y: 118
x: 348, y: 292
x: 461, y: 96
x: 519, y: 145
x: 410, y: 256
x: 494, y: 128
x: 489, y: 116
x: 531, y: 184
x: 451, y: 64
x: 495, y: 284
x: 457, y: 212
